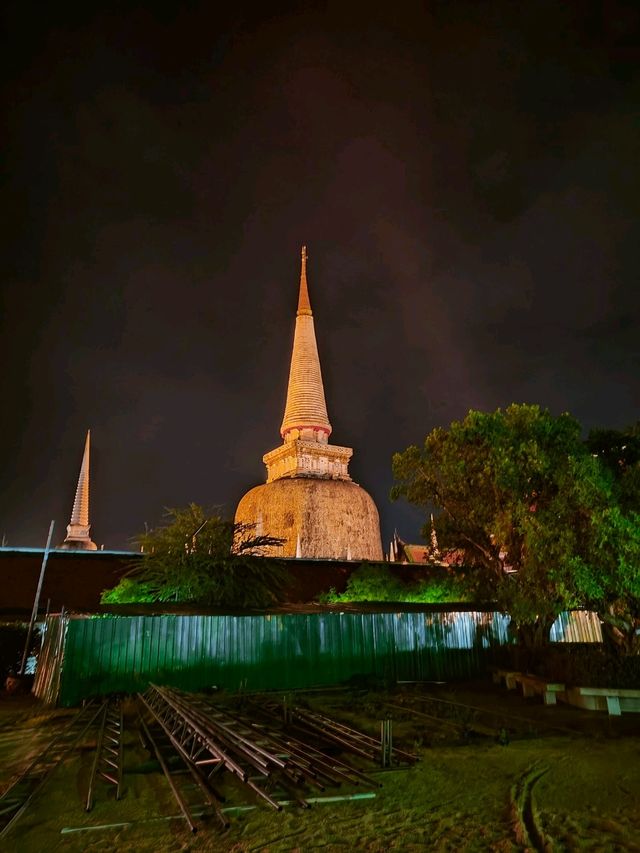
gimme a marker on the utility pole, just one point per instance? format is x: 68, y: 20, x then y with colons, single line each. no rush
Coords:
x: 36, y: 600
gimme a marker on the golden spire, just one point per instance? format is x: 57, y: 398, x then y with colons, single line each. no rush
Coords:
x: 78, y: 528
x: 80, y: 512
x: 304, y: 306
x: 305, y: 414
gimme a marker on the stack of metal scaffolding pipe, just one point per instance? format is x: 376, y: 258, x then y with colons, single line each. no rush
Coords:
x: 212, y: 739
x: 351, y: 740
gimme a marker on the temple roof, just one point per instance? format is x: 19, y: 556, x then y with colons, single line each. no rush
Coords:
x: 306, y: 408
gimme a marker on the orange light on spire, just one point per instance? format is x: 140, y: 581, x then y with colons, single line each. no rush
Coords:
x: 306, y: 410
x: 304, y: 305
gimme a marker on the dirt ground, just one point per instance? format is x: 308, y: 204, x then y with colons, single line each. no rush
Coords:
x: 496, y: 772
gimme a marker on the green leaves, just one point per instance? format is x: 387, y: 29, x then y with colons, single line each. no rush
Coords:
x: 377, y: 583
x: 619, y: 452
x: 549, y: 521
x: 199, y: 557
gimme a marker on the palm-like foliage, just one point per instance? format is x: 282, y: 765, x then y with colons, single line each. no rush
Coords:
x: 199, y: 557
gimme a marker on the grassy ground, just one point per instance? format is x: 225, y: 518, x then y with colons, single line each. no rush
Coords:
x: 566, y: 780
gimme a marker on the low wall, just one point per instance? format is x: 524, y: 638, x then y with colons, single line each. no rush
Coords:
x: 73, y: 579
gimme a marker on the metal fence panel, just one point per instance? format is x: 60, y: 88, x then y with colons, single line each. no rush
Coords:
x: 100, y: 655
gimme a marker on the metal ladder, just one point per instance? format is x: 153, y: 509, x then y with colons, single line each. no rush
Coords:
x: 107, y: 763
x: 19, y: 795
x: 195, y: 798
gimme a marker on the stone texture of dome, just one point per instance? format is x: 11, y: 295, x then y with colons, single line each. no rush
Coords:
x: 317, y: 518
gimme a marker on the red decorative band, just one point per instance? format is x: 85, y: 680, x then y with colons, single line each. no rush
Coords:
x: 306, y: 426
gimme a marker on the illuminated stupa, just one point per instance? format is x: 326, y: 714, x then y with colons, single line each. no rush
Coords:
x: 309, y: 499
x: 78, y: 528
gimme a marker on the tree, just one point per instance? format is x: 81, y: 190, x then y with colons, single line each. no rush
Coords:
x: 608, y: 579
x: 619, y: 451
x: 199, y: 557
x: 533, y: 510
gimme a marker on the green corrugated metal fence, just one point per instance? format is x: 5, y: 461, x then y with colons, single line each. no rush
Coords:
x: 576, y: 626
x: 100, y: 655
x: 278, y: 651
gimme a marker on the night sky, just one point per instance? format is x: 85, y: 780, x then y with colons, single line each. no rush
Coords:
x: 465, y: 176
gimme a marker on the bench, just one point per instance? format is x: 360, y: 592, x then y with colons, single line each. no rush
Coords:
x: 533, y: 684
x: 612, y: 699
x: 507, y: 675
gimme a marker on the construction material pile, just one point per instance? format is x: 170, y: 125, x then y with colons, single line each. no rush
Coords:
x: 261, y: 754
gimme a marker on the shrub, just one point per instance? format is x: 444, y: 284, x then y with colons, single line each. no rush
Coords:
x: 376, y: 583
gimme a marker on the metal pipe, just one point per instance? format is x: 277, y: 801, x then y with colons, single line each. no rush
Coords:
x: 260, y: 758
x: 210, y: 796
x: 232, y: 738
x: 178, y: 796
x: 229, y: 762
x: 67, y: 830
x: 36, y: 600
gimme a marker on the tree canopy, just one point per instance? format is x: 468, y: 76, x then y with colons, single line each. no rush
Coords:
x: 200, y: 557
x: 619, y: 451
x: 534, y: 509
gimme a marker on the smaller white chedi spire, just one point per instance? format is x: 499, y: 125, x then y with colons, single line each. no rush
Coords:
x: 78, y: 527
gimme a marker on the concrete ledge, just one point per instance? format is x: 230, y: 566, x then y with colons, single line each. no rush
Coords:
x: 531, y: 684
x: 507, y: 675
x: 611, y: 699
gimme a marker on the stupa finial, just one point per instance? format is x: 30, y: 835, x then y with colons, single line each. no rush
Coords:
x: 305, y: 413
x: 80, y: 511
x: 304, y: 306
x: 78, y: 527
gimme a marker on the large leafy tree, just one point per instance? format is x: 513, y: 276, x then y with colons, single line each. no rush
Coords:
x: 199, y: 557
x: 608, y: 577
x: 533, y: 510
x: 615, y: 589
x: 619, y: 451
